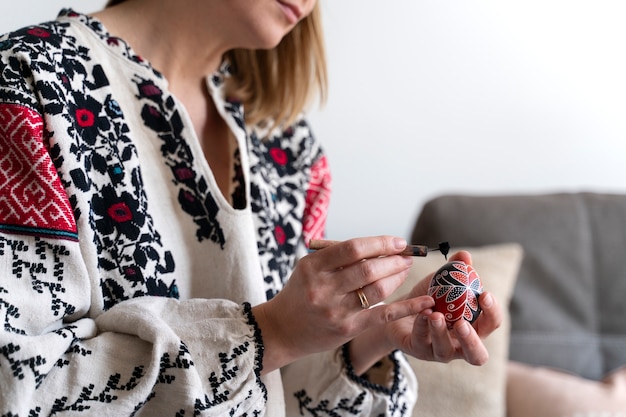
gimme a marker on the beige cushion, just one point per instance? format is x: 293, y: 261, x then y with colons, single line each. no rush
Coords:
x: 458, y: 388
x: 547, y: 392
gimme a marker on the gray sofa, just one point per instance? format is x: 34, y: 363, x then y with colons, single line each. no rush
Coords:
x: 568, y: 308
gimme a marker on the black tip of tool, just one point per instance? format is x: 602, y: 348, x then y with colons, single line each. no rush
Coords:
x: 444, y: 248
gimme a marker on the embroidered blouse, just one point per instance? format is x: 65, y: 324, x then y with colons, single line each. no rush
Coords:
x: 126, y: 276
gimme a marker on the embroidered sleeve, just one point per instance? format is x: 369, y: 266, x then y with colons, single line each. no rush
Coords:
x: 325, y: 385
x: 153, y: 355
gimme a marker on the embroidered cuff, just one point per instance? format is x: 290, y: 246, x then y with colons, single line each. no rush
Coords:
x: 247, y: 309
x: 388, y: 369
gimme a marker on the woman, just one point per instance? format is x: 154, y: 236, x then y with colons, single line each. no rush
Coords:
x: 152, y: 244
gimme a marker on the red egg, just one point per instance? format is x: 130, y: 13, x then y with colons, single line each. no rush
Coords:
x: 455, y: 287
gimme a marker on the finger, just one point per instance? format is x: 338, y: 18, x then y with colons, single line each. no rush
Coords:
x: 421, y: 341
x: 342, y: 254
x: 474, y: 351
x: 491, y: 317
x: 442, y: 344
x: 384, y: 275
x: 386, y: 313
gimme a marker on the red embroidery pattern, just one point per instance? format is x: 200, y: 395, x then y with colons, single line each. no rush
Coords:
x: 317, y: 201
x: 32, y: 199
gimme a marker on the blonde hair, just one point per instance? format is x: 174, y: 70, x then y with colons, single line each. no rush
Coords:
x: 276, y: 85
x: 279, y: 83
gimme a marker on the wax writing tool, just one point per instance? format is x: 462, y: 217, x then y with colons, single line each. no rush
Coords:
x: 410, y: 250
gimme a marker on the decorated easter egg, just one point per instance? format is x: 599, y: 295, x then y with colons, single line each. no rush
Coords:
x: 455, y: 287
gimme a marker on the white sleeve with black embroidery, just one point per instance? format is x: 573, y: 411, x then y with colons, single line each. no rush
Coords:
x: 326, y: 385
x: 146, y: 356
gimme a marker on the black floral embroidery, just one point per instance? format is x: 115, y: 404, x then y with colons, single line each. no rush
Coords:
x: 281, y: 165
x: 11, y: 312
x: 117, y: 215
x: 344, y: 407
x: 159, y: 113
x: 90, y: 121
x: 45, y: 276
x: 20, y: 367
x: 89, y: 395
x: 105, y: 164
x: 44, y: 280
x: 127, y: 241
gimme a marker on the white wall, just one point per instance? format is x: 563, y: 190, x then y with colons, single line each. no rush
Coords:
x: 432, y: 96
x: 480, y: 96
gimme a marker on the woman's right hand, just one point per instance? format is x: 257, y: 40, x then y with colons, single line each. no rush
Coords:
x: 319, y: 308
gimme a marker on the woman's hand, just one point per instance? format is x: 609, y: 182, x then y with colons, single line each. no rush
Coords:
x: 319, y: 309
x: 426, y: 335
x: 431, y: 340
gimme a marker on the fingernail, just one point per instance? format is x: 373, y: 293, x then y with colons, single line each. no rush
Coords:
x: 487, y: 300
x: 463, y: 329
x: 438, y: 323
x: 399, y: 243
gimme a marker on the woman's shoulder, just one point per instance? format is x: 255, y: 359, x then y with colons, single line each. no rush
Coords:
x: 45, y: 43
x: 34, y: 40
x: 26, y: 53
x: 35, y: 53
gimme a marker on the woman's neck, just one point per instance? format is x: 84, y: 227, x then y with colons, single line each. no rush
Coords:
x: 182, y: 52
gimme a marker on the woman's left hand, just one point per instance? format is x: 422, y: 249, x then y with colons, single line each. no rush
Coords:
x: 427, y: 337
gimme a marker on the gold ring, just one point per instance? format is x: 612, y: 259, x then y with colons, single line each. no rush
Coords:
x: 362, y: 298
